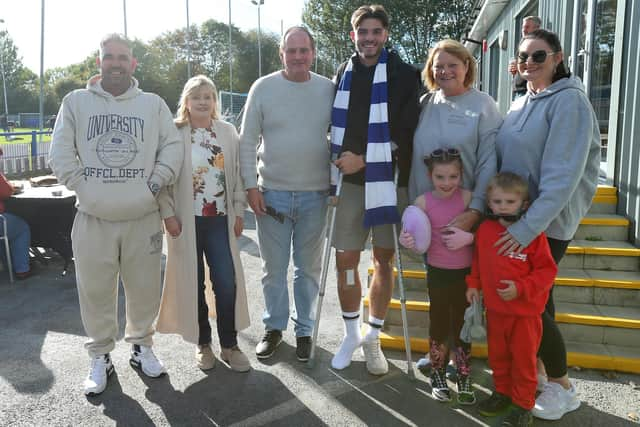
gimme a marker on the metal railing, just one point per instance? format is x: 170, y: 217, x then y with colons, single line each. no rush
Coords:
x: 20, y: 157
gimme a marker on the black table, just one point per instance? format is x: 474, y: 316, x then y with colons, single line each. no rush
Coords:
x: 49, y: 211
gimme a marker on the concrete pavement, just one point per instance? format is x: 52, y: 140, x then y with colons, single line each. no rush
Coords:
x: 43, y: 363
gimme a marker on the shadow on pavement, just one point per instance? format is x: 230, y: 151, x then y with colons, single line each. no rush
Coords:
x: 224, y: 397
x: 30, y: 311
x: 120, y: 407
x: 24, y: 304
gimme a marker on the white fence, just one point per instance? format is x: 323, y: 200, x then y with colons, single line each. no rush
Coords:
x: 20, y: 157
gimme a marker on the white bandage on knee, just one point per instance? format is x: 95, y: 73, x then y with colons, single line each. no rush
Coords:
x: 350, y: 277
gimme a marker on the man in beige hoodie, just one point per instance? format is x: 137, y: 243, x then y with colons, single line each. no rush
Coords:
x: 116, y: 146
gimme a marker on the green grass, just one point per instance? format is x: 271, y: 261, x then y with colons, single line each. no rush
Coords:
x: 23, y: 138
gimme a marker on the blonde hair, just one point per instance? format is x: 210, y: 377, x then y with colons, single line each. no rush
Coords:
x: 509, y: 182
x: 192, y: 85
x: 456, y: 49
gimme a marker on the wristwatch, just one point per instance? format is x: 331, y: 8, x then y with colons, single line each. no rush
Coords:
x: 154, y: 187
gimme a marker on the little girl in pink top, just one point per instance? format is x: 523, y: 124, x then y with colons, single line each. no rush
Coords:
x: 448, y: 262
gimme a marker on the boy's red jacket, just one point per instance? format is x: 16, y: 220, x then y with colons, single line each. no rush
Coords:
x: 533, y: 271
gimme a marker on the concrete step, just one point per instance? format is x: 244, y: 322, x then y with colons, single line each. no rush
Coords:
x: 599, y: 227
x: 599, y: 324
x: 605, y: 200
x: 584, y: 355
x: 604, y: 287
x: 601, y: 255
x: 587, y: 323
x: 616, y: 288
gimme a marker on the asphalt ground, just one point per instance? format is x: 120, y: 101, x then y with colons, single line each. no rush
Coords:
x: 43, y: 364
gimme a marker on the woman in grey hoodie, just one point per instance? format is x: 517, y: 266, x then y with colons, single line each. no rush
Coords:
x: 551, y: 138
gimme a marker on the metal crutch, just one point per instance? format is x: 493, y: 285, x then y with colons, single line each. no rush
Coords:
x: 326, y: 255
x: 403, y: 299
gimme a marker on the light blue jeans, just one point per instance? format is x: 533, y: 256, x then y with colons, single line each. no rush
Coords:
x: 19, y: 242
x: 303, y: 230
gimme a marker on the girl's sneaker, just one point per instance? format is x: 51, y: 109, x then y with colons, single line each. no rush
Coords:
x: 439, y: 388
x: 466, y: 396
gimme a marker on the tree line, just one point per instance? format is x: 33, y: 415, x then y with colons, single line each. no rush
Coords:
x: 162, y: 62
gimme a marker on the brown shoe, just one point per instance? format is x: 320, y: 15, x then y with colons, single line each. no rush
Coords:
x: 23, y: 275
x: 236, y: 359
x: 204, y: 357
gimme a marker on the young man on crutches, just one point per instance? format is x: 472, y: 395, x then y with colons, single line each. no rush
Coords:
x: 375, y: 109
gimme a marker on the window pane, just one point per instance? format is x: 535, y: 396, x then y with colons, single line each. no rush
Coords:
x: 602, y: 67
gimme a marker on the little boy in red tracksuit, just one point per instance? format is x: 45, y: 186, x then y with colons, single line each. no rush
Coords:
x: 515, y: 282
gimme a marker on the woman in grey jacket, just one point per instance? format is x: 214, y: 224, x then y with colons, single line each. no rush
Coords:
x: 551, y: 138
x: 456, y: 115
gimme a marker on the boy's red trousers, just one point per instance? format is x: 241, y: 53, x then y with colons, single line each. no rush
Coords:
x: 513, y: 344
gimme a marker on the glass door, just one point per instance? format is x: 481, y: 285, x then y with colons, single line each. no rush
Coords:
x: 594, y: 64
x: 601, y: 66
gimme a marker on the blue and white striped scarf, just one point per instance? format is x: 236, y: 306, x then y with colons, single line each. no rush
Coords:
x: 380, y: 191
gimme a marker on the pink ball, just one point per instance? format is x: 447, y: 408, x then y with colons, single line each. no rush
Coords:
x: 416, y: 223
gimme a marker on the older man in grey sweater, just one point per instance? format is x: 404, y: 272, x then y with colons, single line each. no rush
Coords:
x: 287, y: 181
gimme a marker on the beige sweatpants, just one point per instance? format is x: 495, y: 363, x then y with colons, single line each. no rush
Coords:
x: 104, y: 249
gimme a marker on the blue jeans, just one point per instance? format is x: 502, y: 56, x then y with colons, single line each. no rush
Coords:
x: 303, y: 229
x: 19, y: 242
x: 212, y: 240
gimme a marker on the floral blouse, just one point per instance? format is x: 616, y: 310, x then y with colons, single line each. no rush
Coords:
x: 207, y: 160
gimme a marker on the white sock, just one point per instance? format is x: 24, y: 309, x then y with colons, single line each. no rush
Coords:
x: 350, y: 342
x: 351, y: 324
x: 373, y: 330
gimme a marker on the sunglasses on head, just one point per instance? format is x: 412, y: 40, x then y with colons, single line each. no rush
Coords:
x: 443, y: 153
x: 539, y: 56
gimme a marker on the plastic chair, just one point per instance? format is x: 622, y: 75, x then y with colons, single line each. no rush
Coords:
x: 5, y: 237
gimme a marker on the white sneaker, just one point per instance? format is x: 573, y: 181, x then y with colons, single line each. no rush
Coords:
x: 96, y: 381
x: 555, y: 401
x: 376, y: 362
x: 343, y: 356
x: 142, y: 357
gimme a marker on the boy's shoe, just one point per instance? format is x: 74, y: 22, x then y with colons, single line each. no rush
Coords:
x: 235, y: 358
x: 466, y: 396
x: 439, y: 388
x: 494, y: 405
x: 303, y: 348
x: 142, y: 357
x: 204, y: 357
x: 518, y: 417
x: 555, y: 401
x: 270, y: 341
x: 376, y: 362
x: 99, y: 372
